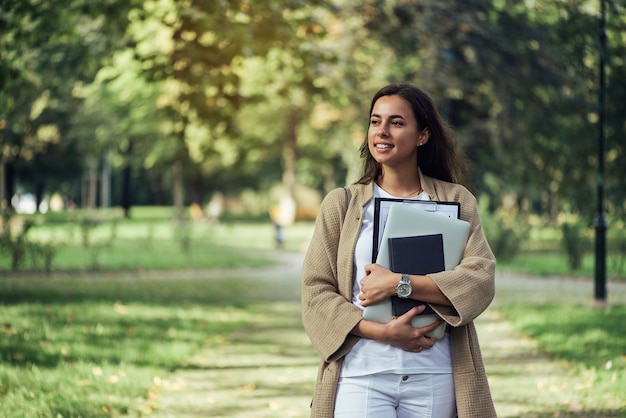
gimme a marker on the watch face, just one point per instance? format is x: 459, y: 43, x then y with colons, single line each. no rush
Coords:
x: 404, y: 290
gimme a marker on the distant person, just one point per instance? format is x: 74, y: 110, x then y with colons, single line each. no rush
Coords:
x: 391, y: 370
x: 282, y: 215
x: 279, y: 237
x: 196, y: 212
x: 215, y: 207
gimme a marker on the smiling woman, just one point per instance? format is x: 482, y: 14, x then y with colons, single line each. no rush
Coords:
x: 409, y: 153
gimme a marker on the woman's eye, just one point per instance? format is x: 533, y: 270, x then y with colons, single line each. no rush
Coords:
x: 374, y: 122
x: 397, y: 123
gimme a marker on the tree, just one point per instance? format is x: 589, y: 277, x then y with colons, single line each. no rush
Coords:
x: 513, y: 81
x: 201, y: 45
x: 47, y: 50
x: 310, y: 95
x: 121, y: 115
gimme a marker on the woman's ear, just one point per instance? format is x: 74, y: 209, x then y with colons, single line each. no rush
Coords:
x: 424, y: 137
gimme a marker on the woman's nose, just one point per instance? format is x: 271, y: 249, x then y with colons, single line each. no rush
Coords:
x: 382, y: 130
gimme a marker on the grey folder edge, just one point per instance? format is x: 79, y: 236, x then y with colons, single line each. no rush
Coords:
x: 404, y: 220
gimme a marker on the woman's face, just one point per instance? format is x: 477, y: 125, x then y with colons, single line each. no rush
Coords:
x: 393, y: 135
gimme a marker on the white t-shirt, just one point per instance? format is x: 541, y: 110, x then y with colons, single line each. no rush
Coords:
x: 370, y: 356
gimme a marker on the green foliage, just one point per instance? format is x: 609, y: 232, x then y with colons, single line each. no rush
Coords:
x: 47, y: 50
x: 505, y: 230
x: 150, y: 239
x: 617, y: 245
x: 589, y: 341
x: 203, y: 96
x: 42, y: 254
x: 15, y: 243
x: 574, y: 243
x: 182, y: 234
x: 14, y: 246
x: 544, y: 252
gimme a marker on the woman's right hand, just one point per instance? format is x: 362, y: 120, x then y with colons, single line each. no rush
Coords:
x: 400, y: 333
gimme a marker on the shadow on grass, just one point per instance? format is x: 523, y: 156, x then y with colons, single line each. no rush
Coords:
x: 128, y: 289
x: 137, y: 320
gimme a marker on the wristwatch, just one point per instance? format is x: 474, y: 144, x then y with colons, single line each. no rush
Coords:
x: 404, y: 289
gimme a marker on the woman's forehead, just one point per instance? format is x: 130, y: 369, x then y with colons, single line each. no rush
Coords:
x: 392, y: 105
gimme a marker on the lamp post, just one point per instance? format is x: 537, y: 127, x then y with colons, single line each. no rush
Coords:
x: 600, y: 219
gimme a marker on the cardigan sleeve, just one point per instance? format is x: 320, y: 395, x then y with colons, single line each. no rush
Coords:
x: 328, y: 316
x: 470, y: 287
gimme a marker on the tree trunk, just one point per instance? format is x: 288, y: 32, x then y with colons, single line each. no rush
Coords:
x: 92, y: 189
x: 4, y: 202
x: 39, y: 190
x: 126, y: 203
x: 126, y: 186
x: 105, y: 181
x: 179, y: 193
x: 290, y: 157
x: 159, y: 192
x: 9, y: 186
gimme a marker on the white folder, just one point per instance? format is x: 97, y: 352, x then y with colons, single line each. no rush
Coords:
x: 406, y: 220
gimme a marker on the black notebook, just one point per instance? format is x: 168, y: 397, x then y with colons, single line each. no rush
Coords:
x: 420, y: 255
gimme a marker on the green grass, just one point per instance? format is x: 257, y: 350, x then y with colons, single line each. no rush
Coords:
x: 153, y: 241
x: 590, y: 345
x: 95, y: 346
x: 137, y: 305
x: 591, y: 338
x: 551, y: 263
x: 95, y: 342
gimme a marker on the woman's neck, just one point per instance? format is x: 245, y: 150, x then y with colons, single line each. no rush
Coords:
x: 408, y: 186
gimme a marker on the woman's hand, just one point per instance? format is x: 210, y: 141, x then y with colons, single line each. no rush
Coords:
x: 378, y: 284
x: 400, y: 333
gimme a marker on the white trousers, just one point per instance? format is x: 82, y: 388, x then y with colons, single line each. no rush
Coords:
x: 396, y: 396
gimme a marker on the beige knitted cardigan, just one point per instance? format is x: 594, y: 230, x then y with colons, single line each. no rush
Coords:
x: 329, y: 315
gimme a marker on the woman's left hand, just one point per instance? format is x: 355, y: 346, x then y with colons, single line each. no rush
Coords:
x: 379, y: 284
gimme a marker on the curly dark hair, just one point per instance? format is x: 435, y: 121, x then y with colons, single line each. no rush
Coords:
x: 440, y: 157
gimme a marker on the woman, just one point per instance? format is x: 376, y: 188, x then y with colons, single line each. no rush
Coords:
x: 378, y: 370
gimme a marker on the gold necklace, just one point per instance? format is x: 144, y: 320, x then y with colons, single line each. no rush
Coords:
x: 416, y: 192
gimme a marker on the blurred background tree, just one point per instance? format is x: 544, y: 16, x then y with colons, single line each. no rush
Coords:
x: 48, y: 50
x: 170, y: 102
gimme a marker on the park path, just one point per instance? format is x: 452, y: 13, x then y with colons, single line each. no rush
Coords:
x: 235, y: 381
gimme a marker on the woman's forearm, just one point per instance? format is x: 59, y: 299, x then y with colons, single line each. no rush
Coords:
x: 425, y: 289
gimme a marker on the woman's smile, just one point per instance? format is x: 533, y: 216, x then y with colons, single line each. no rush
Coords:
x: 383, y: 146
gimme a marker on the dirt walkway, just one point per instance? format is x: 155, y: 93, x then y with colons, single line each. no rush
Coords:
x: 237, y: 380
